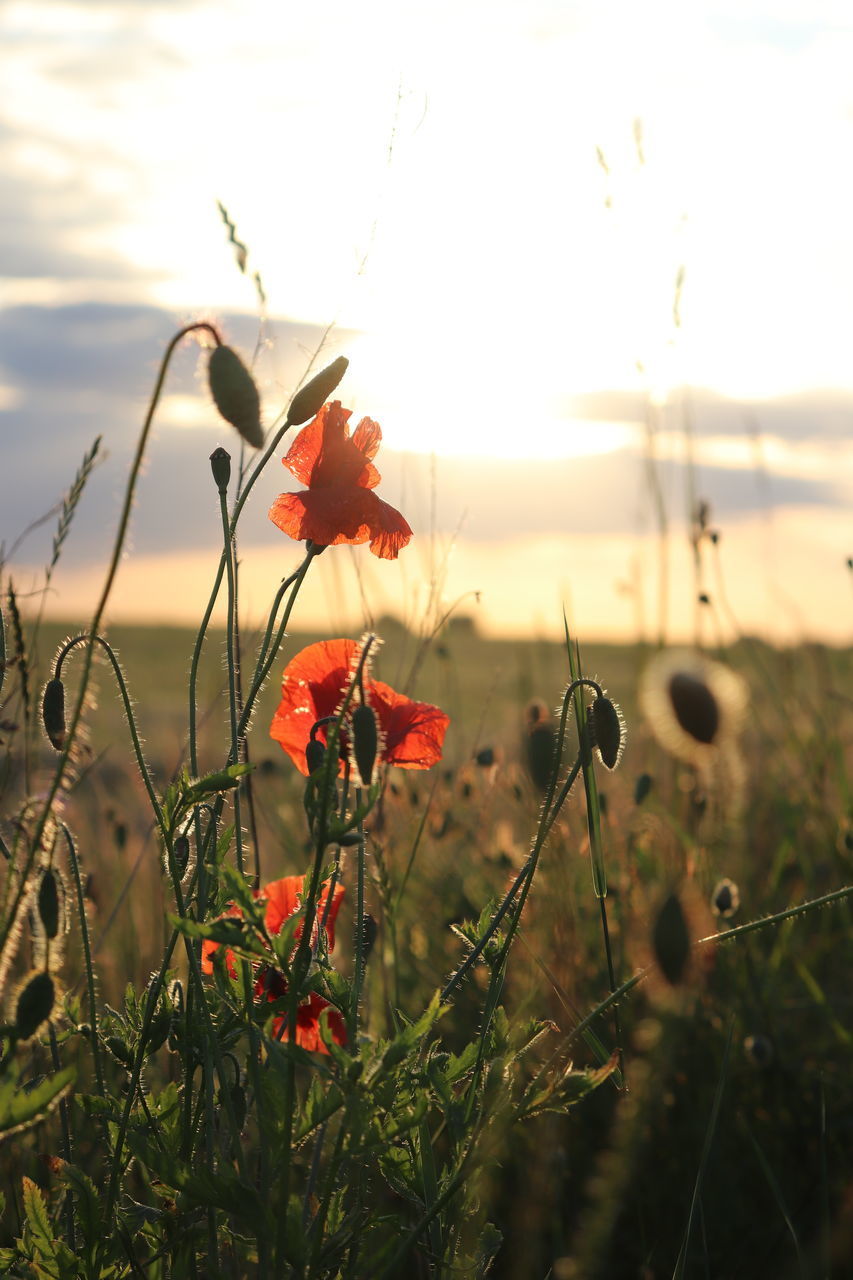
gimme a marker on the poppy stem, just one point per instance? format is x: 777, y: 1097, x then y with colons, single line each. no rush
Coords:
x: 358, y: 971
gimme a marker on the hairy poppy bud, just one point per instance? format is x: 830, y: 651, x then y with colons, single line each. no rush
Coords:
x: 670, y: 940
x: 310, y: 399
x: 759, y: 1051
x: 53, y: 713
x: 315, y: 754
x: 695, y: 706
x: 48, y: 903
x: 369, y: 932
x: 220, y: 465
x: 34, y: 1004
x: 233, y: 388
x: 182, y: 854
x: 365, y: 741
x: 605, y: 720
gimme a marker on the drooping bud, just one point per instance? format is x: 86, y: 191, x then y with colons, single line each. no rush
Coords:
x: 34, y: 1004
x: 608, y: 731
x: 182, y: 854
x: 369, y: 933
x: 220, y: 465
x: 236, y: 396
x: 365, y: 741
x: 315, y: 754
x: 53, y: 713
x: 671, y: 941
x: 310, y: 399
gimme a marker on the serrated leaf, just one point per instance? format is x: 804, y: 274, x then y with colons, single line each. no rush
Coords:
x: 38, y: 1221
x: 220, y: 1189
x: 322, y: 1101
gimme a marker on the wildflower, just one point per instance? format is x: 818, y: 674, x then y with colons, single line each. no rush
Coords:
x: 411, y: 734
x: 272, y: 984
x: 283, y: 899
x: 693, y: 705
x: 339, y: 505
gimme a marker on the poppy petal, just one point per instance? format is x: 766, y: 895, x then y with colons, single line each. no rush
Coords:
x: 413, y: 731
x: 389, y: 531
x: 312, y: 687
x: 367, y: 438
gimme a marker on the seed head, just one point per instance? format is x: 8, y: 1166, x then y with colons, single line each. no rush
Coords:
x: 236, y: 396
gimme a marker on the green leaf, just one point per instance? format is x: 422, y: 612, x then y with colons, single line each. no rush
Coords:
x: 20, y: 1108
x: 38, y: 1221
x: 220, y: 1189
x: 321, y: 1102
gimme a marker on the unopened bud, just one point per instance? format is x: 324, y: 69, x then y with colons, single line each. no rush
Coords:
x: 670, y: 940
x: 315, y: 754
x: 541, y: 755
x: 182, y: 854
x: 642, y: 787
x: 233, y: 388
x: 53, y: 713
x: 34, y: 1004
x: 310, y: 399
x: 48, y: 903
x: 220, y: 465
x: 725, y: 899
x: 608, y: 735
x: 369, y: 932
x: 695, y: 707
x: 365, y: 741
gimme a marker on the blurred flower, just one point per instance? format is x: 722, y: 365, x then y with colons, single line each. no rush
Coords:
x: 694, y: 705
x: 411, y: 734
x: 339, y: 505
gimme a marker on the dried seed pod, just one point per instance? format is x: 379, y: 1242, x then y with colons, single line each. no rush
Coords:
x: 236, y: 396
x: 670, y: 940
x: 365, y: 742
x: 53, y: 713
x: 220, y: 465
x: 34, y: 1005
x: 608, y: 731
x: 310, y: 399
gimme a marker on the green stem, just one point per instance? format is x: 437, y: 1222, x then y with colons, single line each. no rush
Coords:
x: 87, y: 956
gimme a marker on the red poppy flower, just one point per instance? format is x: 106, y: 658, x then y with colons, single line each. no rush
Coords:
x: 283, y: 899
x: 411, y: 733
x: 272, y: 984
x: 339, y: 504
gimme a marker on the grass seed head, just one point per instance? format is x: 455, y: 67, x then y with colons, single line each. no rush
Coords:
x: 236, y: 396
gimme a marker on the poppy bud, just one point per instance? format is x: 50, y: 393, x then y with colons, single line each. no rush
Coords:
x: 48, y: 903
x: 541, y: 752
x: 236, y: 396
x: 642, y: 787
x: 34, y: 1004
x: 365, y: 741
x: 220, y: 465
x: 759, y: 1051
x: 485, y: 757
x: 670, y: 940
x: 315, y: 754
x: 695, y: 706
x: 725, y: 899
x: 182, y: 854
x: 53, y: 713
x: 310, y: 399
x: 120, y: 1050
x: 607, y: 726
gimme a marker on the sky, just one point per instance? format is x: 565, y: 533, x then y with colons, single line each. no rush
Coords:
x: 590, y: 262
